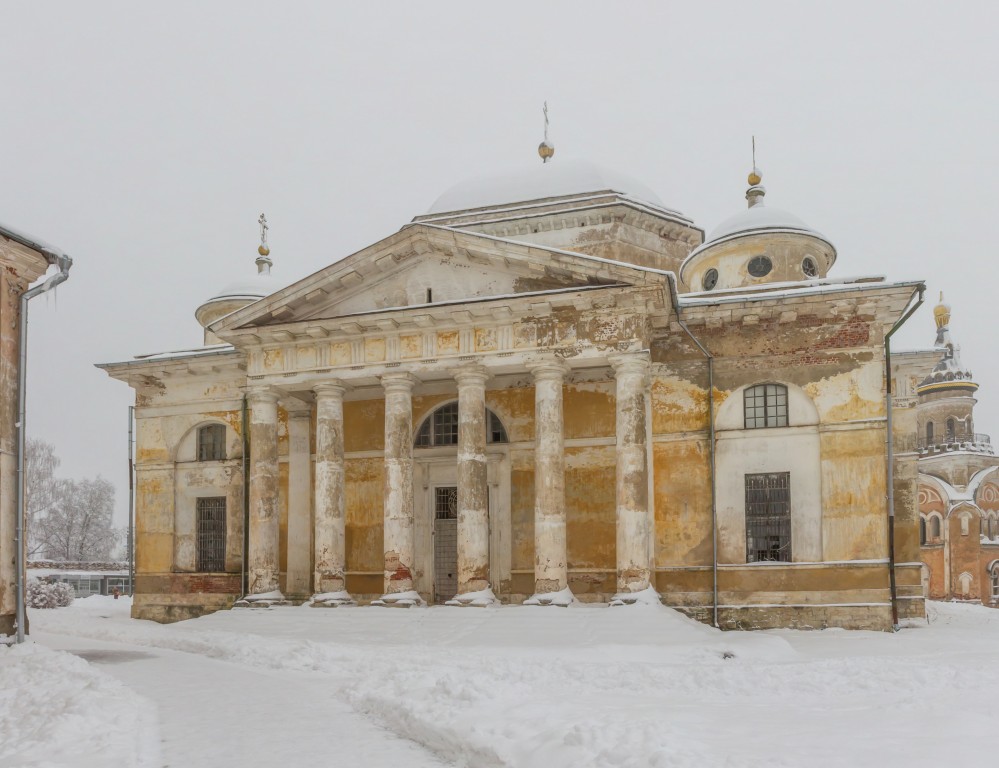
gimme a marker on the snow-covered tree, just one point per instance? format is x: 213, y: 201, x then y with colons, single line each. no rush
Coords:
x: 42, y: 489
x: 78, y: 526
x: 43, y: 594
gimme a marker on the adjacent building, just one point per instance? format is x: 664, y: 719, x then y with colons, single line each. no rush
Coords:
x: 550, y: 386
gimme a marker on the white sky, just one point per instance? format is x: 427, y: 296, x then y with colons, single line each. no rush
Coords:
x: 145, y: 140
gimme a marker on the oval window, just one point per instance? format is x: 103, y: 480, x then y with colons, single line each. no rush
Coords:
x: 760, y: 266
x: 710, y: 279
x: 809, y: 267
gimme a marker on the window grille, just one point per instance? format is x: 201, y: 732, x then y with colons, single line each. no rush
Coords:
x: 446, y: 503
x: 765, y: 406
x: 211, y: 534
x: 995, y: 583
x: 211, y: 442
x: 441, y: 428
x: 768, y: 517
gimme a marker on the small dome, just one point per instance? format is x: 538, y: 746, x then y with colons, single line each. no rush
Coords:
x: 759, y: 218
x: 557, y: 178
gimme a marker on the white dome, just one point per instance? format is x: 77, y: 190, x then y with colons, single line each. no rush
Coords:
x: 759, y: 218
x: 557, y: 178
x: 253, y: 287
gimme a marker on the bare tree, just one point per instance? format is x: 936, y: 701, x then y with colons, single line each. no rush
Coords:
x: 79, y: 526
x: 42, y: 489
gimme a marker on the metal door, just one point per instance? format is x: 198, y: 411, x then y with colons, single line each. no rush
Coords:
x: 445, y: 543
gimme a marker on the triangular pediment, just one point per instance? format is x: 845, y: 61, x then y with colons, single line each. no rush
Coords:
x: 427, y: 265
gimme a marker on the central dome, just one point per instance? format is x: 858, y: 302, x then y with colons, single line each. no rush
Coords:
x: 559, y: 178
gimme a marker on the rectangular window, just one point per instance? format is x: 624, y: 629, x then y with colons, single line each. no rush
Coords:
x: 768, y: 517
x: 211, y: 534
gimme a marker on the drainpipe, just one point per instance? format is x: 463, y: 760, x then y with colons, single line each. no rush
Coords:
x: 131, y: 504
x: 244, y: 585
x: 671, y: 281
x: 64, y: 263
x: 891, y: 458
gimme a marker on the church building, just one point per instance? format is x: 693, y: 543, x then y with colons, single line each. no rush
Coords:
x: 549, y: 387
x: 958, y: 474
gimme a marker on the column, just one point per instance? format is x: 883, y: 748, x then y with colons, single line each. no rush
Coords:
x: 298, y: 578
x: 550, y: 571
x: 330, y: 582
x: 263, y: 561
x: 399, y: 536
x: 473, y: 488
x: 634, y: 522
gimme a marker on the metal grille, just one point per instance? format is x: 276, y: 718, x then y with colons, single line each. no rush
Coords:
x: 211, y: 442
x: 445, y: 543
x: 768, y: 517
x: 211, y: 534
x: 766, y: 406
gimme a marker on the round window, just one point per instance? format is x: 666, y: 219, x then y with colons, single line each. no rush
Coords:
x: 809, y: 267
x: 760, y: 266
x: 710, y: 279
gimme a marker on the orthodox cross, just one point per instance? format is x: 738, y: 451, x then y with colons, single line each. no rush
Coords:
x: 545, y: 110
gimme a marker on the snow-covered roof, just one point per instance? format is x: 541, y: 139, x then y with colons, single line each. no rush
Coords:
x: 251, y: 287
x: 542, y: 180
x: 757, y: 219
x: 47, y: 250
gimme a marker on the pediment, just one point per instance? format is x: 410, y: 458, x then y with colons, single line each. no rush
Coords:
x: 425, y: 265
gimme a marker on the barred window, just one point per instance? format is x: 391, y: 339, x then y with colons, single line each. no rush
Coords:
x: 922, y: 530
x: 211, y: 534
x: 929, y: 433
x: 441, y: 428
x: 768, y: 517
x: 951, y: 428
x: 211, y: 442
x: 765, y: 406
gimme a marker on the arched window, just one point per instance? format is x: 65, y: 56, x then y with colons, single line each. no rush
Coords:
x: 929, y: 433
x: 934, y: 529
x: 951, y: 428
x: 441, y: 428
x: 922, y: 530
x: 995, y: 582
x: 211, y: 442
x: 765, y: 405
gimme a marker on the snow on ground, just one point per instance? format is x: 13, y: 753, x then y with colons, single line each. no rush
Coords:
x: 58, y: 710
x: 519, y: 686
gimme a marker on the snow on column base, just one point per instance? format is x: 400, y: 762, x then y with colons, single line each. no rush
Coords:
x: 647, y: 596
x: 331, y: 600
x: 480, y: 599
x: 261, y: 600
x: 399, y: 600
x: 562, y: 598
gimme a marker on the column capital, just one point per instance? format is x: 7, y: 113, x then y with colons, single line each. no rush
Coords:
x: 630, y: 362
x: 552, y: 369
x: 333, y: 388
x: 261, y: 393
x: 399, y: 382
x: 471, y: 373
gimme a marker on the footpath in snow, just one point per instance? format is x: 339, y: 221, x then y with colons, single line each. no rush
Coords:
x: 523, y: 687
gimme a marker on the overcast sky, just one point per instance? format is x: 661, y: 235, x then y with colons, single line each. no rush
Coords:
x: 145, y: 140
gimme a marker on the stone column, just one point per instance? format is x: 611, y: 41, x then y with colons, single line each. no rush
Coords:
x: 550, y: 570
x: 473, y: 488
x: 298, y: 575
x: 263, y: 561
x: 634, y: 522
x: 330, y: 529
x: 399, y: 535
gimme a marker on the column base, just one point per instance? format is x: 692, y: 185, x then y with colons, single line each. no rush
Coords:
x: 481, y: 599
x: 331, y: 600
x: 647, y: 596
x: 563, y: 598
x: 399, y: 600
x: 262, y: 600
